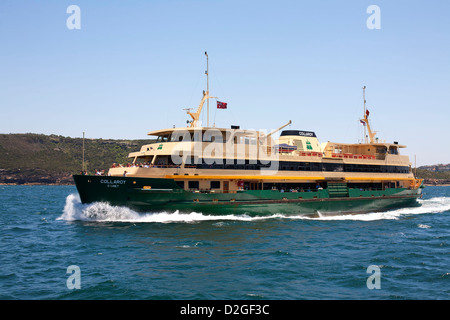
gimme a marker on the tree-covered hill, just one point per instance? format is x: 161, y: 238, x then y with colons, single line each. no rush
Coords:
x: 38, y: 158
x: 433, y: 178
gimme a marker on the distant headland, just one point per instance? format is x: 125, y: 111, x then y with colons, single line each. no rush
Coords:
x: 31, y: 158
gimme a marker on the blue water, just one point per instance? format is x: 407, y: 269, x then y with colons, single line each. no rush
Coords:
x: 125, y: 255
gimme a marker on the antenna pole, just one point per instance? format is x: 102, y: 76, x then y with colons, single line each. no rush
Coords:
x: 415, y: 167
x: 207, y: 88
x: 82, y: 169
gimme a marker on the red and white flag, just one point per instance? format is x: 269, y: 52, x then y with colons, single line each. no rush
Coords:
x: 221, y: 105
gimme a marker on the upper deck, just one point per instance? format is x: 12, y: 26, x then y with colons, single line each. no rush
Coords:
x: 194, y: 150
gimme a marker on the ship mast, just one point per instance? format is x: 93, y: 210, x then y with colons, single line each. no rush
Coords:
x: 364, y: 97
x: 196, y: 115
x: 366, y: 121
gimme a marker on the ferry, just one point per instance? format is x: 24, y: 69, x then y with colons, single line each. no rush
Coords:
x: 224, y: 171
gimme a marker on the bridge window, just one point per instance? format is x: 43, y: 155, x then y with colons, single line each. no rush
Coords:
x: 193, y: 185
x: 215, y: 184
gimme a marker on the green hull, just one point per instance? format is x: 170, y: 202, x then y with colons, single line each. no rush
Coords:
x: 163, y: 195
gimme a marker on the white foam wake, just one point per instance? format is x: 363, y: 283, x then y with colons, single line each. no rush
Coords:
x: 99, y: 211
x: 432, y: 205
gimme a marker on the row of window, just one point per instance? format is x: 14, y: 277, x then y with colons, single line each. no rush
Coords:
x: 196, y: 184
x: 300, y: 166
x: 292, y: 186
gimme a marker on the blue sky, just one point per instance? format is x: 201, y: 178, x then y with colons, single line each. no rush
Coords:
x: 134, y: 65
